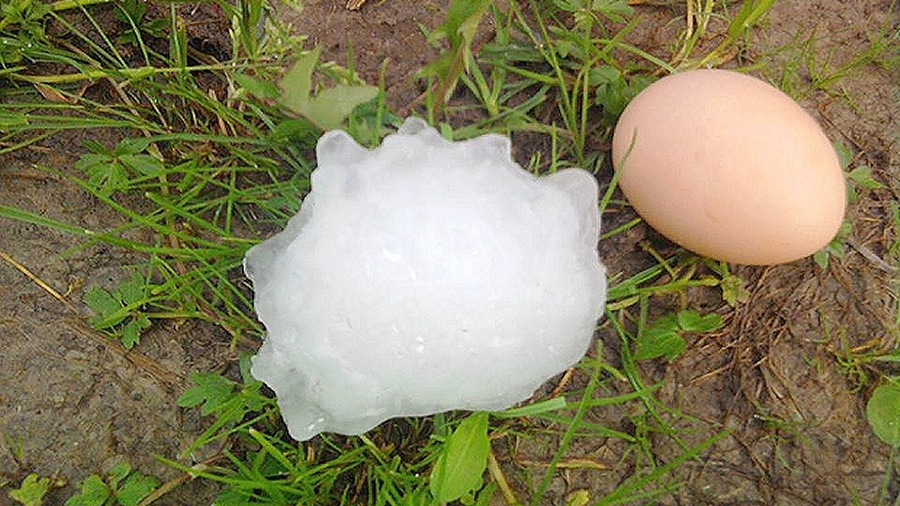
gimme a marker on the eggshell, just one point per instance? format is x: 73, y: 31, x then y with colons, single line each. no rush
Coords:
x: 729, y: 167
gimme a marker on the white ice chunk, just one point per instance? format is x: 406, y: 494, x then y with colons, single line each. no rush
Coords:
x: 424, y: 276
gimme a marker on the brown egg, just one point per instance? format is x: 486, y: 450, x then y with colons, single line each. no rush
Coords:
x: 729, y: 167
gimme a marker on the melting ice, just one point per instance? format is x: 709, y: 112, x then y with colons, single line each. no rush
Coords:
x: 423, y: 276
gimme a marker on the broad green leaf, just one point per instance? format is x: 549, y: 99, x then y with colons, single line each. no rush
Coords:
x: 143, y: 164
x: 104, y: 304
x: 31, y: 491
x: 844, y: 154
x: 131, y: 332
x: 692, y: 321
x: 257, y: 87
x: 836, y: 248
x: 211, y: 390
x: 663, y: 338
x: 111, y: 308
x: 331, y: 106
x: 604, y: 74
x: 883, y: 413
x: 132, y: 290
x: 103, y: 172
x: 299, y: 131
x: 136, y: 487
x: 463, y: 460
x: 734, y: 289
x: 580, y: 497
x: 296, y: 85
x: 862, y: 177
x: 130, y: 146
x: 118, y: 473
x: 91, y: 492
x: 821, y: 258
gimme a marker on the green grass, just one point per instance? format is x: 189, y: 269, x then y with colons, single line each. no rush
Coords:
x: 204, y: 178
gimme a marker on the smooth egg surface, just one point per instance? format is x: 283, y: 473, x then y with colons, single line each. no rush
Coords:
x: 729, y: 167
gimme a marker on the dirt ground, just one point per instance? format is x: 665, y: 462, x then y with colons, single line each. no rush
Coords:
x: 72, y: 403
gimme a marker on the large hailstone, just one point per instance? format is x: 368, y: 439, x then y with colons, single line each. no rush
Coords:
x: 424, y: 276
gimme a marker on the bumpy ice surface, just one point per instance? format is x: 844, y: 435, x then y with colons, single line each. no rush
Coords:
x: 423, y: 276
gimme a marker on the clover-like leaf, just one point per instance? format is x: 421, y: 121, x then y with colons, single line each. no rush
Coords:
x: 31, y: 491
x: 135, y: 488
x: 211, y: 390
x: 91, y: 492
x: 661, y: 339
x: 664, y: 337
x: 103, y: 172
x: 106, y: 306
